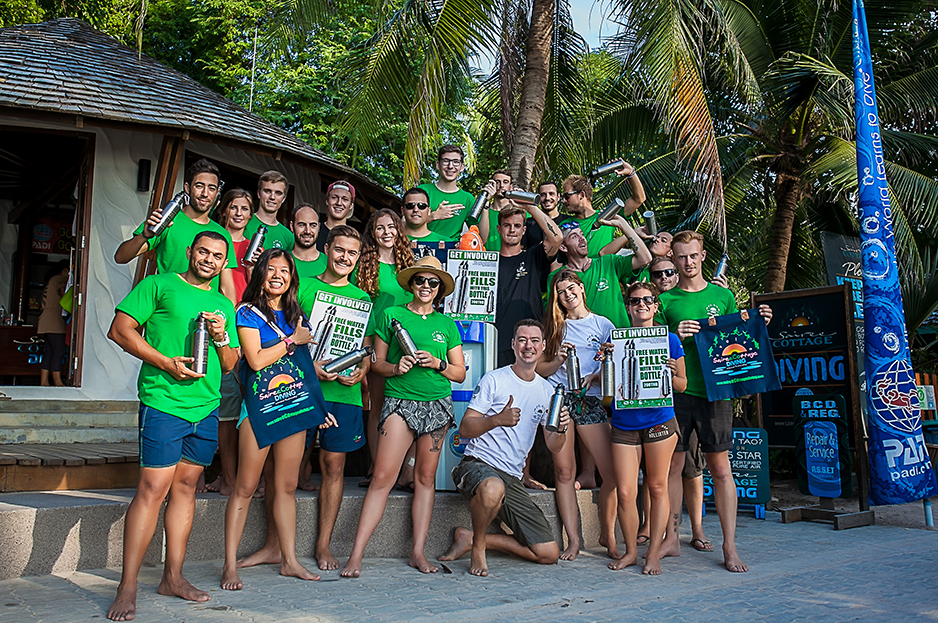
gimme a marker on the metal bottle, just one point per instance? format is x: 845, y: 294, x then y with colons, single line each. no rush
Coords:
x: 608, y: 212
x: 460, y: 300
x: 348, y: 360
x: 257, y: 241
x: 651, y: 226
x: 200, y: 342
x: 520, y: 196
x: 170, y: 210
x: 323, y: 333
x: 490, y: 302
x: 666, y: 382
x: 608, y: 378
x: 606, y: 169
x: 478, y: 206
x: 221, y: 187
x: 556, y: 404
x: 721, y: 267
x: 573, y: 371
x: 403, y: 338
x: 629, y: 372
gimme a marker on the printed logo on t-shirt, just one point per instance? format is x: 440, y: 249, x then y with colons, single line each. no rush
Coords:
x: 712, y: 310
x: 219, y: 312
x: 594, y: 342
x: 476, y: 391
x: 602, y: 284
x: 522, y: 271
x: 277, y: 244
x: 439, y: 337
x: 539, y: 412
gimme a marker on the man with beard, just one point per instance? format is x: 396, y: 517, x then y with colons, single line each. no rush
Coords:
x: 202, y: 186
x: 340, y: 204
x: 550, y: 205
x: 310, y: 261
x: 178, y: 407
x: 272, y: 188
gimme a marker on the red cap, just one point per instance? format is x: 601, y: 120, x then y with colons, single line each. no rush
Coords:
x: 342, y: 185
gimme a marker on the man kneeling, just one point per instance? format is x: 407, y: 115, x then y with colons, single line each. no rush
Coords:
x: 500, y: 423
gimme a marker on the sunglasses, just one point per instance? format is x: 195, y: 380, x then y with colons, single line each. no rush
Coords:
x: 647, y: 300
x: 667, y: 272
x: 419, y: 205
x: 569, y: 194
x: 433, y: 282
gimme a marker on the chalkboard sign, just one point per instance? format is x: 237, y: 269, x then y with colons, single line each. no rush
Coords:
x: 821, y: 446
x: 812, y: 340
x: 749, y: 460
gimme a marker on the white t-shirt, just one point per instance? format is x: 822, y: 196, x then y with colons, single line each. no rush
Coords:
x: 587, y: 334
x: 507, y: 447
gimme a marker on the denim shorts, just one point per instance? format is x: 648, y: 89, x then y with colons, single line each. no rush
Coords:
x: 166, y: 439
x: 349, y: 435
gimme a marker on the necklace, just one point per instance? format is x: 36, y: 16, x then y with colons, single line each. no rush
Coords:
x: 421, y: 314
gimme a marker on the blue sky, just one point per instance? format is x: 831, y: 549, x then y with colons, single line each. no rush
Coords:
x: 588, y: 21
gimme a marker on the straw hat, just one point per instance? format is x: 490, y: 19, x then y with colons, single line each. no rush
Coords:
x: 428, y: 264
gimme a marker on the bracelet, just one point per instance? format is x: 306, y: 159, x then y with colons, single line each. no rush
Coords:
x: 628, y: 177
x: 224, y: 342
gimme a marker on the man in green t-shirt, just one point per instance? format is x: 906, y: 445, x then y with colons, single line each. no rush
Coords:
x: 681, y: 309
x: 488, y: 222
x: 605, y: 275
x: 202, y: 186
x: 578, y: 197
x: 304, y: 224
x: 449, y: 203
x: 178, y: 407
x: 272, y: 189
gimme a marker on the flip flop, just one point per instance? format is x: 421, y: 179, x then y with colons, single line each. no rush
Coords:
x: 365, y: 482
x: 642, y: 540
x: 701, y: 545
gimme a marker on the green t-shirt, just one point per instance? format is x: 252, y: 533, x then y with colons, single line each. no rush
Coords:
x: 603, y: 292
x: 278, y: 236
x: 307, y: 270
x: 595, y: 239
x: 431, y: 237
x: 450, y: 228
x: 390, y: 293
x: 170, y: 246
x: 333, y: 391
x: 678, y: 305
x: 167, y: 307
x: 437, y: 335
x: 494, y: 241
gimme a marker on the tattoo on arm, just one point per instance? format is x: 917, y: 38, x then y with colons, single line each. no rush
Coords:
x: 550, y: 228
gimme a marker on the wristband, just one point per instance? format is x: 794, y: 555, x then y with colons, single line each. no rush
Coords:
x: 223, y: 342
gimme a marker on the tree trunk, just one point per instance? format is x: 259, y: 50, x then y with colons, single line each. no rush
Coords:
x: 787, y: 197
x: 533, y: 93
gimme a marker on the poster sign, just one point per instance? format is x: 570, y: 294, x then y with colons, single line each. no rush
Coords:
x: 52, y: 232
x: 749, y: 460
x: 436, y: 249
x: 821, y: 446
x: 926, y: 397
x: 643, y: 378
x: 736, y: 356
x: 476, y: 276
x: 338, y: 326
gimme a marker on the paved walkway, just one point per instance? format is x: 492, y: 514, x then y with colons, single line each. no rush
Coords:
x: 804, y: 571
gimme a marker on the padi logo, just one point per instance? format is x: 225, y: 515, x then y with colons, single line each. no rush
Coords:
x: 712, y: 310
x: 603, y: 284
x: 439, y: 337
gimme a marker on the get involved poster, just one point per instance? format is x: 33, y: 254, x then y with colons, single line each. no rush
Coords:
x: 338, y: 326
x: 735, y: 356
x: 476, y: 276
x: 643, y: 378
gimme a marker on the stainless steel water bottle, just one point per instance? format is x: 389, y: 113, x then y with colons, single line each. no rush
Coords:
x: 169, y: 212
x: 490, y: 302
x: 573, y: 371
x: 348, y: 360
x: 520, y: 196
x: 606, y: 169
x: 666, y: 382
x: 721, y: 267
x: 478, y: 206
x: 461, y: 299
x: 651, y: 226
x: 629, y: 372
x: 200, y: 343
x: 608, y: 212
x: 323, y: 333
x: 556, y: 404
x: 257, y: 241
x: 608, y: 378
x: 403, y: 338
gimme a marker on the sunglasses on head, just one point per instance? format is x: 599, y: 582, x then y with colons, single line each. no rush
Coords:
x: 667, y: 272
x: 420, y: 205
x: 647, y: 300
x: 433, y: 282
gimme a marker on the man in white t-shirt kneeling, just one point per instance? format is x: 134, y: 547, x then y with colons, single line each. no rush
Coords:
x: 500, y: 423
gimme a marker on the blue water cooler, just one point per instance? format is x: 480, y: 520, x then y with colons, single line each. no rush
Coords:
x: 478, y: 347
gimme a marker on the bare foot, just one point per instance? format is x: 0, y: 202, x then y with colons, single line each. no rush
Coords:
x: 200, y: 485
x: 326, y: 561
x: 296, y: 570
x: 421, y: 564
x: 219, y: 486
x: 462, y: 543
x: 180, y: 587
x: 672, y: 549
x: 230, y: 580
x: 652, y: 567
x: 612, y: 548
x: 263, y: 556
x: 573, y: 549
x: 585, y: 481
x: 478, y: 565
x: 732, y: 561
x: 530, y: 483
x: 623, y: 562
x: 309, y: 485
x: 124, y: 607
x: 353, y: 568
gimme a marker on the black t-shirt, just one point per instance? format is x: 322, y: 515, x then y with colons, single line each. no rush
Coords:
x: 322, y: 236
x: 533, y: 234
x: 519, y: 294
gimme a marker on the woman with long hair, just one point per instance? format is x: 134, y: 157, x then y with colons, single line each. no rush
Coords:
x: 569, y: 326
x: 385, y: 253
x: 418, y: 404
x: 234, y: 211
x: 652, y: 430
x: 273, y: 334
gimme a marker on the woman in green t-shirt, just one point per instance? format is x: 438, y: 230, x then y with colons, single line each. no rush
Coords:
x: 385, y: 252
x: 418, y: 403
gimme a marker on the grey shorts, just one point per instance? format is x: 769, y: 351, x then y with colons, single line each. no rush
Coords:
x: 229, y: 409
x: 519, y: 512
x: 713, y: 422
x: 586, y: 410
x: 694, y: 461
x: 423, y: 417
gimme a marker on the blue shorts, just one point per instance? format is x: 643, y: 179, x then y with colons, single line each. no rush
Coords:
x: 349, y: 435
x: 166, y: 439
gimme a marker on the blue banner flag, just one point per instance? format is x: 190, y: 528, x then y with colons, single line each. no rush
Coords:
x: 900, y: 469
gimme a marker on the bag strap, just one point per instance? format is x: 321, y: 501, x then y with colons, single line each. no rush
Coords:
x: 256, y: 311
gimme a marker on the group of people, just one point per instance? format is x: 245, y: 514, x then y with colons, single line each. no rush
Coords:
x: 257, y: 312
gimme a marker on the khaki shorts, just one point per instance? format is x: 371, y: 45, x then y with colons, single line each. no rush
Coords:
x: 644, y: 436
x: 519, y: 512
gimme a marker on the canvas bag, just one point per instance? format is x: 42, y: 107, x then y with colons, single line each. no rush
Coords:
x: 736, y: 356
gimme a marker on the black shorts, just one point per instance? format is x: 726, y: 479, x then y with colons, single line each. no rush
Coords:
x: 713, y: 422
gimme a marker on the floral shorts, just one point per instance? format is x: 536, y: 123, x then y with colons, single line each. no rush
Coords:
x: 586, y: 410
x: 423, y: 417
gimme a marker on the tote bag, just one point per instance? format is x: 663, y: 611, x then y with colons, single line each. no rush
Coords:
x: 736, y: 356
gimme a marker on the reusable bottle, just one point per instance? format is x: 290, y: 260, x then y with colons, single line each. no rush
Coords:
x: 478, y: 206
x: 608, y: 212
x: 721, y: 267
x: 520, y: 196
x: 556, y: 404
x: 651, y: 226
x: 170, y: 210
x: 348, y: 360
x: 200, y: 342
x: 403, y: 338
x: 323, y: 333
x: 608, y: 378
x: 573, y: 371
x: 257, y: 241
x: 606, y: 169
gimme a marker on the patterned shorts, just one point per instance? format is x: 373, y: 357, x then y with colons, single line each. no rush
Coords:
x: 586, y: 410
x: 423, y: 417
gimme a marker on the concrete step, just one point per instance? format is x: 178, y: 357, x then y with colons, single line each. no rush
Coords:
x: 62, y: 531
x: 80, y: 413
x: 66, y: 434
